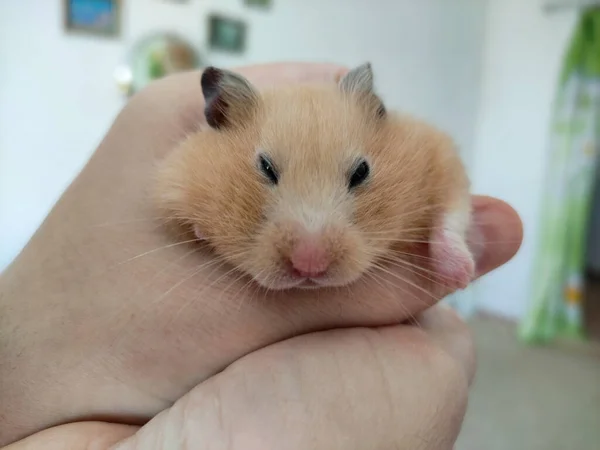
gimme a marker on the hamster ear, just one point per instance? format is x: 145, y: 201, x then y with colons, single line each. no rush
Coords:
x: 230, y: 98
x: 359, y: 81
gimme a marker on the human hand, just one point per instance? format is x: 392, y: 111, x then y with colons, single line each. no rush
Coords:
x: 402, y: 387
x: 99, y: 315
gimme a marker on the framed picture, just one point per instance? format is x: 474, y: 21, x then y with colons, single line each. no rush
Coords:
x: 94, y: 17
x: 261, y: 4
x: 226, y: 33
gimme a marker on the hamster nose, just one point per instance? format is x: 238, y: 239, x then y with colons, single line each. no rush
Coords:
x: 309, y: 259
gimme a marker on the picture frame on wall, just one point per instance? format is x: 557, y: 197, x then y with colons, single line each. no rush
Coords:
x: 92, y: 17
x: 226, y: 34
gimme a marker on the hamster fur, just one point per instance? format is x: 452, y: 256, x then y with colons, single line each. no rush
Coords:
x: 313, y: 185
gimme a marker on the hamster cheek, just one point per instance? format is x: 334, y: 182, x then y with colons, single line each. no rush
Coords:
x: 453, y: 262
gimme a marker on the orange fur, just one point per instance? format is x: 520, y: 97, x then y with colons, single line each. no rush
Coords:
x: 313, y: 134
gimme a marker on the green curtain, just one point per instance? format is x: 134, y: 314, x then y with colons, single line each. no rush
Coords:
x: 555, y: 308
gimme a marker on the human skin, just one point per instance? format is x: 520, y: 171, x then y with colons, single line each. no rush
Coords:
x: 400, y: 386
x: 89, y: 330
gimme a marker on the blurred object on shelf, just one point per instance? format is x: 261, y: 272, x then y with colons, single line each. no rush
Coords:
x: 153, y: 57
x: 123, y: 78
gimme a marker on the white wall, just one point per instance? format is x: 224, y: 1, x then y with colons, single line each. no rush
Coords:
x: 52, y: 112
x: 57, y: 96
x: 426, y: 54
x: 57, y: 99
x: 523, y: 52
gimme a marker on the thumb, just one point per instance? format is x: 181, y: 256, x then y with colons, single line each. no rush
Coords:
x: 76, y: 436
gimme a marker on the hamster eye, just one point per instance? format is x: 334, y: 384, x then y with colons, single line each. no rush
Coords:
x: 359, y: 175
x: 266, y: 167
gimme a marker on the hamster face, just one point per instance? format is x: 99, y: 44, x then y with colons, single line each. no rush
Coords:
x: 313, y: 190
x: 312, y: 183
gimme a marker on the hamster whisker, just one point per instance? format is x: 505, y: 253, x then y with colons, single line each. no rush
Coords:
x: 240, y: 275
x: 197, y: 295
x: 402, y: 259
x: 164, y: 247
x: 403, y: 279
x: 416, y: 211
x: 225, y: 216
x: 248, y: 285
x: 164, y: 269
x: 266, y: 292
x: 194, y: 272
x: 267, y: 283
x: 161, y: 219
x: 257, y: 288
x: 408, y: 269
x: 393, y: 252
x: 417, y: 241
x: 426, y: 229
x: 392, y: 234
x: 410, y: 241
x: 233, y: 254
x: 401, y: 263
x: 129, y: 260
x: 391, y: 239
x: 376, y: 277
x: 430, y: 228
x: 124, y: 222
x: 380, y: 280
x: 398, y: 232
x: 126, y: 304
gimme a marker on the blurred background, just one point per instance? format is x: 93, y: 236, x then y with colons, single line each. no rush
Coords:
x: 516, y: 83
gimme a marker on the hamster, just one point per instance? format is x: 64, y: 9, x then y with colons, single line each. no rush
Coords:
x: 314, y: 185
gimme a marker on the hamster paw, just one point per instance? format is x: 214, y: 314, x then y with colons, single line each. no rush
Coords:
x: 452, y: 260
x: 198, y: 233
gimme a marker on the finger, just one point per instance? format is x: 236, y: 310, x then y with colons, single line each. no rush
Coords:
x: 497, y: 233
x: 346, y: 389
x: 450, y: 333
x: 75, y: 436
